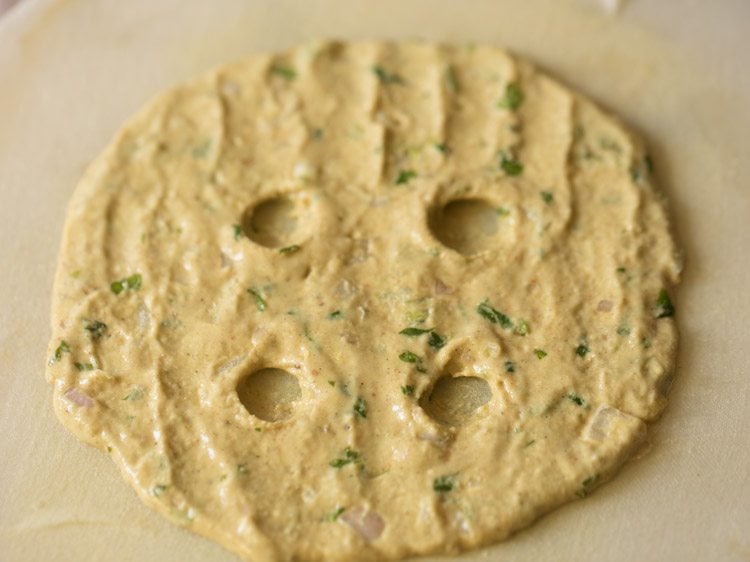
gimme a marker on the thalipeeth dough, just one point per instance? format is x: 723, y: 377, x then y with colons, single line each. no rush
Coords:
x: 365, y: 300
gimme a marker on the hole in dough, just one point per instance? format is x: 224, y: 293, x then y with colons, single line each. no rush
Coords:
x: 269, y: 394
x: 273, y: 223
x: 468, y: 226
x: 453, y: 400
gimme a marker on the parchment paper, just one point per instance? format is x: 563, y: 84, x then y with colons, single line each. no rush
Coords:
x: 72, y: 70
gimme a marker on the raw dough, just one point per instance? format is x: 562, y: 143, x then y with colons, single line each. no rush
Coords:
x: 365, y: 300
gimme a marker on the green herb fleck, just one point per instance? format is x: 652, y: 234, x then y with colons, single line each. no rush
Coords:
x: 348, y: 456
x: 529, y: 444
x: 510, y: 367
x: 360, y: 407
x: 386, y: 77
x: 62, y: 348
x: 407, y: 390
x: 522, y: 327
x: 404, y: 176
x: 334, y: 315
x: 202, y: 149
x: 664, y: 307
x: 582, y: 350
x: 159, y: 489
x: 493, y: 315
x: 623, y: 329
x: 540, y: 353
x: 441, y: 147
x: 510, y: 165
x: 260, y: 302
x: 285, y: 72
x: 258, y: 429
x: 443, y: 484
x: 547, y: 197
x: 332, y: 383
x: 576, y: 399
x: 84, y: 366
x: 413, y: 332
x: 317, y: 134
x: 241, y: 469
x: 451, y: 82
x: 610, y: 144
x: 332, y: 516
x: 502, y: 211
x: 436, y: 341
x: 290, y: 249
x: 96, y: 329
x: 408, y: 357
x: 135, y: 393
x: 587, y: 485
x: 236, y: 231
x: 621, y: 269
x: 133, y: 282
x: 513, y: 97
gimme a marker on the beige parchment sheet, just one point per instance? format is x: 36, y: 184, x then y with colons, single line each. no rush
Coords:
x: 678, y: 70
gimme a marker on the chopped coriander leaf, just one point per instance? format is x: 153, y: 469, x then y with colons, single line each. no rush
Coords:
x: 408, y: 357
x: 587, y: 485
x: 285, y: 72
x: 135, y: 394
x: 494, y: 315
x: 510, y: 367
x: 413, y: 332
x: 260, y: 302
x: 335, y: 314
x: 502, y: 211
x: 664, y: 307
x: 621, y: 269
x: 334, y: 515
x: 649, y: 163
x: 547, y: 197
x: 132, y: 282
x: 451, y: 82
x: 404, y: 176
x: 96, y: 329
x: 290, y: 249
x: 202, y: 149
x: 576, y: 399
x: 116, y: 287
x: 62, y: 348
x: 241, y: 469
x: 258, y: 429
x: 582, y: 350
x: 513, y: 97
x: 360, y: 407
x: 443, y: 484
x: 441, y: 147
x: 623, y: 329
x: 159, y: 489
x: 236, y: 231
x: 522, y: 327
x: 510, y: 165
x: 317, y: 134
x: 348, y: 456
x: 407, y: 390
x: 540, y: 353
x: 83, y: 366
x: 386, y: 77
x: 436, y: 341
x: 332, y: 383
x: 420, y: 369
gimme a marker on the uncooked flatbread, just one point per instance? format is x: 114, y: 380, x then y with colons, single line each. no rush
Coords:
x: 365, y: 300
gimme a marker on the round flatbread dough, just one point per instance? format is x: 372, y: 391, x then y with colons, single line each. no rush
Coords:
x: 365, y: 300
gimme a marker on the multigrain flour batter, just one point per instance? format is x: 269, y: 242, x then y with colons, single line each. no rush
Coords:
x: 365, y: 300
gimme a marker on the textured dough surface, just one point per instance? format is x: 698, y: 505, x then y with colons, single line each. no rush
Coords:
x: 240, y: 264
